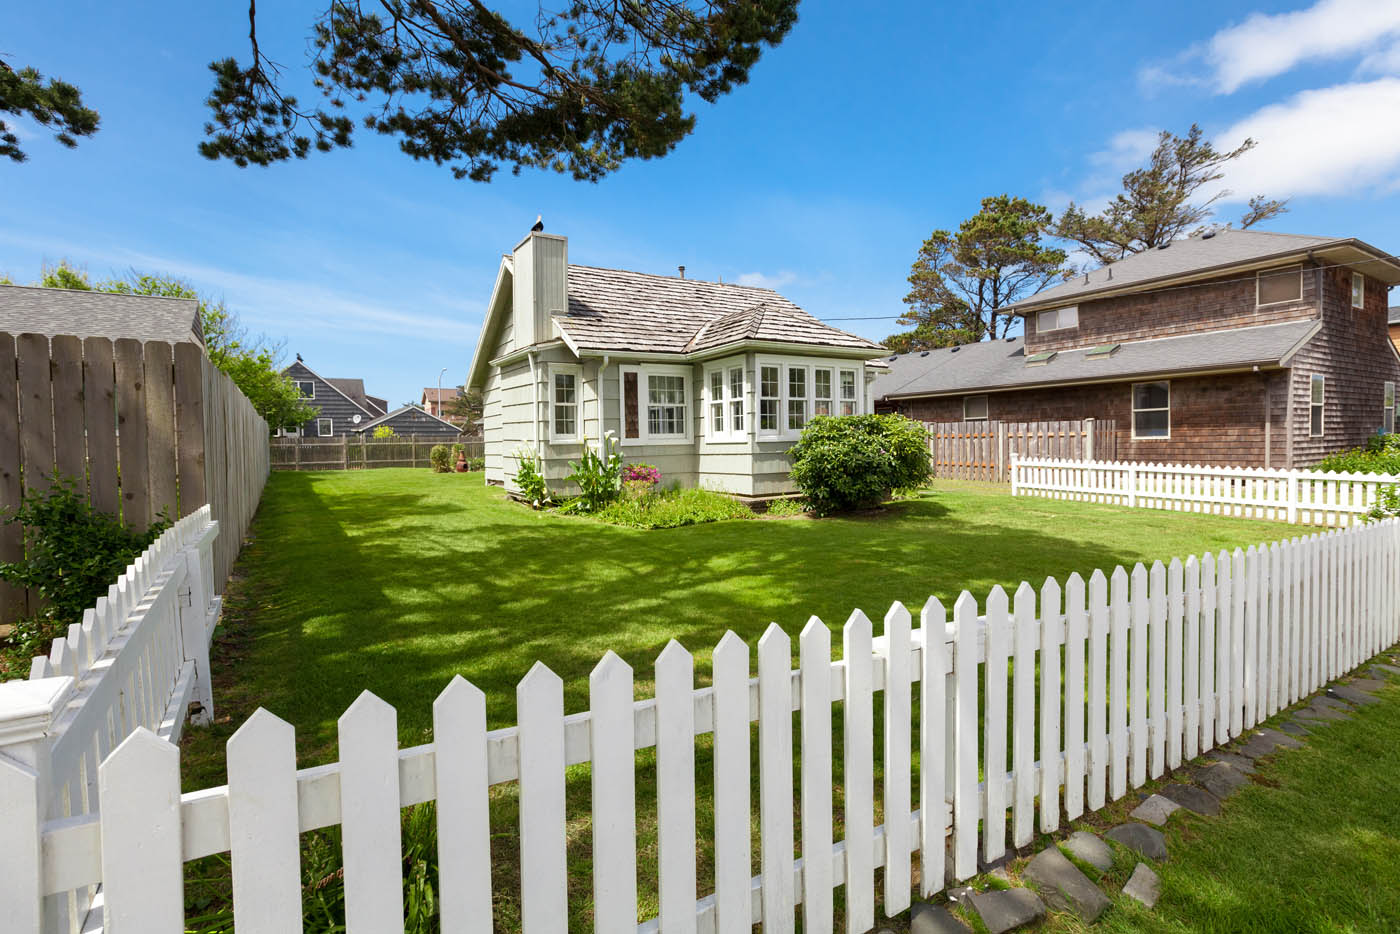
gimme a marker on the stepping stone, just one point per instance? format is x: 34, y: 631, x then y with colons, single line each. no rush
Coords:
x: 1263, y: 744
x: 1319, y: 714
x: 1083, y: 845
x: 1196, y: 800
x: 1352, y: 695
x: 960, y: 893
x: 1287, y: 742
x: 1368, y: 684
x: 1331, y: 703
x: 1144, y: 885
x: 1155, y: 810
x: 1008, y: 909
x: 934, y: 919
x: 1233, y: 759
x: 1294, y: 728
x: 1141, y: 839
x: 1220, y: 779
x: 1064, y: 887
x: 1385, y: 669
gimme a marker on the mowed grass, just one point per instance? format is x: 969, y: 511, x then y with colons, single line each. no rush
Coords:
x: 395, y: 580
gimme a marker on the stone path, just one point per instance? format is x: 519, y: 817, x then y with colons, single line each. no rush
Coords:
x: 1053, y: 881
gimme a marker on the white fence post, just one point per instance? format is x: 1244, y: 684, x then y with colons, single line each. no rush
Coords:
x: 1291, y: 497
x: 1015, y: 475
x: 1132, y: 484
x: 195, y: 632
x: 28, y: 710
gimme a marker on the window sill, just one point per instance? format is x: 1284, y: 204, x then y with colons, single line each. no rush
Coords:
x: 654, y: 442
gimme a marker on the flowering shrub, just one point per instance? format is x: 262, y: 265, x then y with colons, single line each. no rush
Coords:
x: 645, y: 473
x: 598, y: 475
x: 857, y: 461
x: 533, y: 489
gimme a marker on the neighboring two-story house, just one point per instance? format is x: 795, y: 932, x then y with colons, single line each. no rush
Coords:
x: 710, y: 382
x: 1238, y: 348
x: 343, y: 403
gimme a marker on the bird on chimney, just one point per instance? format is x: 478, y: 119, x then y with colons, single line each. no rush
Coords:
x: 539, y: 223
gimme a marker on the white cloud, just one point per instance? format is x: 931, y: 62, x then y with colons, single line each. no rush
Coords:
x: 1327, y: 141
x: 1266, y: 45
x: 1127, y: 150
x: 764, y: 281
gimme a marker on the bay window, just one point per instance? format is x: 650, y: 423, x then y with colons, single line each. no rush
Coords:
x: 736, y: 400
x: 821, y: 386
x: 769, y: 394
x: 725, y: 402
x: 848, y: 392
x: 791, y: 392
x: 797, y: 398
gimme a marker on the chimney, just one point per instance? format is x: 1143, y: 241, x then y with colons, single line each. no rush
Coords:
x: 682, y: 271
x: 539, y: 288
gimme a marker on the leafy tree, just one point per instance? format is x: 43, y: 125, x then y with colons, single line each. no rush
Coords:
x: 251, y: 362
x: 579, y: 90
x: 468, y: 405
x: 56, y: 104
x: 1159, y: 202
x: 962, y: 279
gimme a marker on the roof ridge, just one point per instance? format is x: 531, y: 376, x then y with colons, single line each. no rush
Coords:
x: 45, y: 288
x: 658, y: 275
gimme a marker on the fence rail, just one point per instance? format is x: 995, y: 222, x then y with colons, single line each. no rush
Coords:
x: 1146, y: 669
x: 1300, y: 496
x: 136, y: 661
x: 982, y: 450
x: 361, y: 453
x: 141, y: 429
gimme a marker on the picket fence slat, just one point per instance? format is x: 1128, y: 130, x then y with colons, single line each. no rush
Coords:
x: 965, y: 794
x: 1076, y: 634
x: 1098, y: 698
x: 859, y: 773
x: 1052, y: 634
x: 733, y: 901
x: 675, y: 787
x: 544, y: 872
x: 816, y: 794
x: 369, y: 802
x: 933, y: 720
x: 265, y: 847
x: 463, y: 812
x: 775, y: 777
x: 1023, y: 715
x: 142, y: 866
x: 898, y: 755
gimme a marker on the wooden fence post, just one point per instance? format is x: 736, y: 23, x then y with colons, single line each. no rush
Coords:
x: 1132, y: 484
x: 28, y: 710
x: 194, y: 633
x: 1291, y: 495
x: 1087, y: 451
x: 344, y: 452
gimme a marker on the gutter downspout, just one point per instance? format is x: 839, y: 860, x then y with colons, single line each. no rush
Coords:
x: 535, y: 392
x: 602, y: 430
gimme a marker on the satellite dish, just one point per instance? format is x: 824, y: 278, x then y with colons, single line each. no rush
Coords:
x: 355, y: 419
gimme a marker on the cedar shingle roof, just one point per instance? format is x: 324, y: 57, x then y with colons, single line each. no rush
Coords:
x: 31, y: 309
x: 1002, y: 364
x: 611, y: 309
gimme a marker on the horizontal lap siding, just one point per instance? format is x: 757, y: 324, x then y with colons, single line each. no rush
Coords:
x: 330, y: 403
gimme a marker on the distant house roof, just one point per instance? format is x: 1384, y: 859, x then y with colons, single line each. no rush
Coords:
x: 354, y: 389
x: 413, y: 413
x: 993, y: 365
x: 1200, y: 256
x: 31, y: 309
x: 611, y: 309
x: 434, y: 394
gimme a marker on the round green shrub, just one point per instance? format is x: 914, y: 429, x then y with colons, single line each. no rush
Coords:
x: 441, y: 458
x: 857, y: 461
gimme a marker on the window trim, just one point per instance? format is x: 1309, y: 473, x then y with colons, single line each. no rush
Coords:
x: 1358, y: 290
x: 306, y: 382
x: 329, y: 424
x: 1314, y: 380
x: 986, y: 408
x: 778, y: 414
x: 1039, y: 315
x: 841, y: 400
x: 810, y: 364
x: 1134, y: 410
x: 728, y: 434
x: 568, y: 369
x: 1259, y: 276
x: 644, y: 436
x: 1388, y: 407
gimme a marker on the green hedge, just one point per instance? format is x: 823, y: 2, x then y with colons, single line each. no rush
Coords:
x: 857, y: 461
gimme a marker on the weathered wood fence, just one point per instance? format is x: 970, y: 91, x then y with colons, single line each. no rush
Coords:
x: 982, y: 450
x: 1138, y: 672
x: 137, y: 660
x: 361, y: 453
x: 1303, y: 496
x: 141, y: 429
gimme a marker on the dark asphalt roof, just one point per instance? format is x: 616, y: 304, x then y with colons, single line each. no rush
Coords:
x: 31, y: 309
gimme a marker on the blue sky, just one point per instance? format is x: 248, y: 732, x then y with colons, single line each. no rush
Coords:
x: 872, y: 125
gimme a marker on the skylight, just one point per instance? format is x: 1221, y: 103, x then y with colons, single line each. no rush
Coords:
x: 1103, y: 350
x: 1040, y: 359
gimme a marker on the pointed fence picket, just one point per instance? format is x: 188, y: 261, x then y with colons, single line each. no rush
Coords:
x: 1089, y: 689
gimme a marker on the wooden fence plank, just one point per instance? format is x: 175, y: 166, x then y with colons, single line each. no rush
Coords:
x: 100, y: 420
x: 14, y: 601
x: 70, y: 445
x: 189, y: 426
x: 131, y: 431
x: 35, y: 411
x: 161, y: 451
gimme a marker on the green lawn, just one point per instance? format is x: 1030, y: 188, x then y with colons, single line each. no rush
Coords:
x: 395, y: 580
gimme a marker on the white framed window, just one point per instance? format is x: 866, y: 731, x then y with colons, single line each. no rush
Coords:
x: 791, y: 392
x: 1388, y: 405
x: 724, y: 402
x: 1275, y: 286
x: 325, y: 427
x: 1057, y: 319
x: 307, y: 387
x: 974, y: 408
x: 1152, y: 410
x: 1317, y: 392
x: 656, y: 404
x: 848, y: 392
x: 564, y: 409
x: 1358, y: 290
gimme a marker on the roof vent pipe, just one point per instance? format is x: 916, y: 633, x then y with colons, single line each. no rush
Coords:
x: 1110, y: 274
x: 1086, y: 278
x: 682, y: 269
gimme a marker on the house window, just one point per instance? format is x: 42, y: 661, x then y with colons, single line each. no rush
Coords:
x: 736, y: 400
x: 821, y: 385
x: 1388, y: 416
x: 655, y: 406
x: 797, y: 398
x: 325, y: 427
x: 974, y: 408
x: 665, y: 406
x: 848, y: 392
x: 306, y: 387
x: 768, y: 395
x: 716, y: 403
x: 1358, y: 290
x: 1315, y: 426
x: 564, y: 403
x: 1057, y: 319
x: 1279, y: 285
x: 1152, y: 410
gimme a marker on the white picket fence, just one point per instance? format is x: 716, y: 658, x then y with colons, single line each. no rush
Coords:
x: 135, y: 663
x: 1300, y: 496
x: 1139, y: 672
